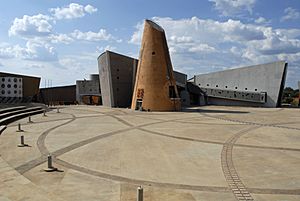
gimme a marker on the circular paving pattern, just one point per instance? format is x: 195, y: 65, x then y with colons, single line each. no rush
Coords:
x: 187, y: 151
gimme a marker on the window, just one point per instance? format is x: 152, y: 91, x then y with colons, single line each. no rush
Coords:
x: 207, y: 85
x: 118, y: 78
x: 172, y: 93
x: 2, y: 85
x: 246, y: 89
x: 235, y: 87
x: 8, y: 86
x: 255, y: 89
x: 226, y: 87
x: 217, y: 86
x: 153, y: 53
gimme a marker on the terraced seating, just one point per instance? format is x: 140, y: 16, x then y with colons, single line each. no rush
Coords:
x: 2, y: 128
x: 9, y: 115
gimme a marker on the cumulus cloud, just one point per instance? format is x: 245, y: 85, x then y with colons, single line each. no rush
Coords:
x: 28, y: 26
x: 71, y: 11
x: 202, y: 48
x: 91, y: 36
x: 262, y: 20
x: 32, y: 51
x: 40, y: 27
x: 60, y: 38
x: 198, y: 45
x: 290, y: 14
x: 90, y: 9
x: 233, y: 7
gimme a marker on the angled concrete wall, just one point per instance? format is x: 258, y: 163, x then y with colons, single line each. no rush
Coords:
x: 255, y: 80
x: 155, y: 85
x: 117, y: 75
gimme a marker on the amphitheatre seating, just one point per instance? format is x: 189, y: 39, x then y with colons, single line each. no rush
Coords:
x: 11, y: 114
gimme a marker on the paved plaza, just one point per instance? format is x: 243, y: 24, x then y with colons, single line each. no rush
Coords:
x: 206, y: 153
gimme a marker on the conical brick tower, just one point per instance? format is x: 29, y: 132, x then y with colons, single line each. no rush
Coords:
x: 155, y: 87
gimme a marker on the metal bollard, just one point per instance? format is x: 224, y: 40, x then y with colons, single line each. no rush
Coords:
x: 50, y: 161
x: 140, y: 193
x: 19, y: 128
x: 29, y: 119
x: 22, y: 142
x: 44, y: 113
x: 50, y: 167
x: 57, y: 110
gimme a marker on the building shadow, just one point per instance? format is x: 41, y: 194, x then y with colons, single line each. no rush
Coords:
x: 213, y: 111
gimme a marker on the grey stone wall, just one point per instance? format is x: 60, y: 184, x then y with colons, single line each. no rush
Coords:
x: 269, y: 78
x: 117, y: 79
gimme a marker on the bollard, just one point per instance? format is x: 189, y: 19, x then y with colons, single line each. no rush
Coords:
x: 29, y: 119
x: 140, y: 193
x: 50, y: 161
x: 22, y: 142
x: 44, y: 113
x: 57, y: 110
x: 50, y: 167
x: 19, y: 128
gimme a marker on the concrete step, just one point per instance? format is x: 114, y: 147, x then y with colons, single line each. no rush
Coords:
x: 2, y: 128
x: 16, y: 117
x: 10, y: 113
x: 12, y: 109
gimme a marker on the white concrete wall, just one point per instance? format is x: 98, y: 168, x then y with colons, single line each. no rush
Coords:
x: 259, y: 78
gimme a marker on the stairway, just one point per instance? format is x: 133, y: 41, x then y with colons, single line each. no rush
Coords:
x: 11, y: 114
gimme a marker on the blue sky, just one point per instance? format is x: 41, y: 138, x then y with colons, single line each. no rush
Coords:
x: 61, y: 40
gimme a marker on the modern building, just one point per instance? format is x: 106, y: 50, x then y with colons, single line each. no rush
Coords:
x: 88, y: 91
x: 17, y: 88
x: 155, y: 86
x: 60, y: 95
x: 259, y: 85
x: 117, y: 75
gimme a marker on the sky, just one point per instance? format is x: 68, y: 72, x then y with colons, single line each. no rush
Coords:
x: 60, y: 41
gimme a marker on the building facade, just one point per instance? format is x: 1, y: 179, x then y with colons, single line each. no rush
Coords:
x: 155, y: 86
x: 117, y: 75
x: 17, y: 88
x: 60, y: 95
x: 259, y: 85
x: 88, y: 91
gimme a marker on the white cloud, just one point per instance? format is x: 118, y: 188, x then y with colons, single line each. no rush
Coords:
x: 33, y: 51
x: 262, y: 20
x: 108, y: 47
x: 91, y: 36
x: 233, y: 7
x: 71, y: 11
x: 290, y: 14
x: 60, y: 38
x: 90, y: 9
x: 28, y: 26
x: 198, y: 45
x: 204, y: 48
